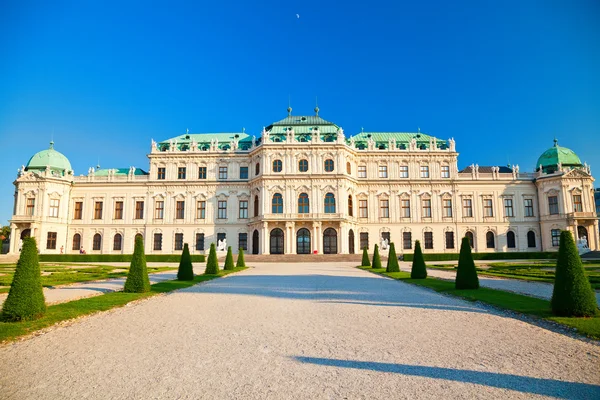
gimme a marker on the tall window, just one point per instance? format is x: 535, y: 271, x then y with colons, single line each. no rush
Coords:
x: 328, y: 165
x: 180, y: 209
x: 511, y: 241
x: 161, y: 173
x: 577, y: 205
x: 201, y: 209
x: 467, y: 208
x: 181, y: 173
x: 78, y: 214
x: 490, y: 240
x: 407, y: 240
x: 553, y: 204
x: 30, y: 206
x: 54, y: 207
x: 384, y: 206
x: 424, y: 171
x: 222, y: 172
x: 222, y: 209
x: 159, y: 210
x: 529, y: 207
x: 348, y: 168
x: 277, y: 165
x: 364, y: 240
x: 257, y: 169
x: 531, y: 239
x: 243, y: 241
x: 51, y: 241
x: 277, y: 204
x: 508, y: 208
x: 303, y: 165
x: 449, y: 240
x: 98, y: 210
x: 427, y: 208
x: 488, y: 208
x: 329, y: 203
x: 447, y: 208
x: 362, y: 209
x: 139, y: 210
x: 97, y: 242
x: 469, y: 235
x: 201, y: 172
x: 555, y: 233
x: 117, y: 242
x: 243, y: 172
x: 199, y: 241
x: 157, y: 243
x: 256, y: 206
x: 303, y: 203
x: 428, y: 240
x: 118, y: 210
x: 243, y: 209
x: 404, y: 171
x: 405, y: 208
x: 179, y: 241
x: 383, y: 171
x: 350, y: 206
x: 445, y: 171
x: 76, y: 242
x: 362, y: 171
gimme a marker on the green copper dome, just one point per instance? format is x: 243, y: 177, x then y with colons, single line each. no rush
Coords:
x: 49, y: 158
x: 556, y: 154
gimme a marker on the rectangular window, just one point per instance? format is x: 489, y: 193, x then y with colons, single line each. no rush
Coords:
x: 364, y: 240
x: 488, y: 208
x: 428, y: 239
x: 243, y: 209
x: 78, y: 214
x: 529, y: 207
x: 98, y: 210
x: 383, y: 171
x: 222, y: 172
x: 161, y: 173
x: 159, y: 210
x: 555, y: 237
x: 362, y: 209
x: 447, y: 208
x: 118, y: 210
x: 200, y: 241
x: 222, y: 209
x: 243, y: 241
x: 201, y: 210
x: 157, y: 241
x: 427, y: 208
x: 553, y: 205
x: 180, y: 209
x: 362, y: 171
x: 54, y: 207
x: 30, y: 206
x: 424, y: 171
x: 404, y: 171
x: 449, y: 240
x: 181, y: 173
x: 577, y: 205
x: 467, y: 208
x: 243, y: 172
x: 385, y: 208
x: 179, y: 241
x: 51, y: 241
x: 508, y: 208
x: 201, y: 172
x: 406, y: 208
x: 139, y: 210
x: 445, y: 171
x: 221, y: 237
x: 407, y: 240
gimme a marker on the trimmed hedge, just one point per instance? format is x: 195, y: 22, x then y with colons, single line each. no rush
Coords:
x: 376, y: 258
x: 241, y: 263
x: 137, y: 277
x: 365, y: 259
x: 115, y: 258
x: 392, y: 261
x: 466, y: 274
x: 487, y: 256
x: 212, y: 265
x: 418, y: 269
x: 186, y: 269
x: 229, y: 260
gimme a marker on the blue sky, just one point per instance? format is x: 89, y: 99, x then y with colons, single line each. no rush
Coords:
x: 103, y: 78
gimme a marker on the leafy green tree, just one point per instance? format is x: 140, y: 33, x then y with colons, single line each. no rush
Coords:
x: 466, y: 274
x: 186, y: 269
x: 240, y: 263
x: 212, y: 264
x: 25, y: 299
x: 4, y: 233
x: 376, y: 259
x: 418, y: 269
x: 392, y: 262
x: 365, y: 258
x: 229, y: 260
x: 137, y: 278
x: 572, y: 295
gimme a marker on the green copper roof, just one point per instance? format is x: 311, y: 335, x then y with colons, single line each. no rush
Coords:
x: 49, y: 158
x: 203, y: 140
x: 556, y: 154
x: 302, y: 125
x: 402, y: 139
x: 119, y: 171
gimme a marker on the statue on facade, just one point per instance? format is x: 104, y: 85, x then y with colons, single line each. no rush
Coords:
x: 384, y: 244
x: 452, y: 144
x: 413, y: 144
x: 153, y: 146
x: 222, y: 245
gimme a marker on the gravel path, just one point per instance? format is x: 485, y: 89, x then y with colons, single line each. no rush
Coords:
x: 300, y: 331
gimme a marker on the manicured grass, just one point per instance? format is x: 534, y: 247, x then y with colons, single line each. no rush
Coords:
x: 541, y: 272
x: 78, y: 308
x: 511, y: 301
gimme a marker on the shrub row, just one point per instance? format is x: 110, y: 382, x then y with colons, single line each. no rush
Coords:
x: 487, y: 256
x: 115, y: 258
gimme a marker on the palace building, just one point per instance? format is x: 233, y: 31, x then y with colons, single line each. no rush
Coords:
x: 303, y: 186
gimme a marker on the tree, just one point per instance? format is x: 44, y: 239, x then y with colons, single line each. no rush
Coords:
x: 228, y: 260
x: 241, y: 263
x: 186, y: 269
x: 392, y: 262
x: 418, y: 269
x: 25, y: 299
x: 212, y: 264
x: 137, y: 278
x: 376, y: 259
x: 466, y: 274
x: 4, y: 233
x: 572, y: 295
x: 365, y: 258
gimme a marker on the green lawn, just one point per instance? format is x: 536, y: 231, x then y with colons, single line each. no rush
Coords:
x: 78, y: 308
x: 501, y: 299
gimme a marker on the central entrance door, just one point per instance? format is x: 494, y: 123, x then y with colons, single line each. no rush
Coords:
x: 276, y: 242
x: 255, y: 242
x: 303, y: 241
x: 330, y: 241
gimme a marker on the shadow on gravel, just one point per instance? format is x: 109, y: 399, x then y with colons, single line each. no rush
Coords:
x: 525, y: 384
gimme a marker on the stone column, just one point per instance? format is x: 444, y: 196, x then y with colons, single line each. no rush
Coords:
x: 15, y: 235
x: 264, y: 232
x: 315, y: 237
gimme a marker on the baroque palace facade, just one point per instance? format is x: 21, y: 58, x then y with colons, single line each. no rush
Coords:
x: 304, y: 187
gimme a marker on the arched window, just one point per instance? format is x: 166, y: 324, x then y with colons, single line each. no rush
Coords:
x: 303, y: 204
x: 531, y: 239
x: 97, y: 243
x: 277, y: 204
x: 350, y: 206
x: 76, y: 241
x: 348, y: 168
x: 138, y: 235
x: 510, y: 240
x: 257, y: 169
x: 303, y: 165
x: 329, y: 203
x: 256, y: 206
x: 117, y: 242
x: 277, y: 165
x: 329, y: 165
x: 490, y: 240
x: 469, y: 235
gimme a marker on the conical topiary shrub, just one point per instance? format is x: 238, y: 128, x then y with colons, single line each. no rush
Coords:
x: 419, y: 269
x: 229, y: 260
x: 186, y: 269
x: 392, y: 262
x: 212, y: 264
x: 572, y: 295
x: 25, y: 299
x: 376, y: 259
x: 365, y: 259
x: 466, y: 274
x: 137, y: 278
x: 240, y: 263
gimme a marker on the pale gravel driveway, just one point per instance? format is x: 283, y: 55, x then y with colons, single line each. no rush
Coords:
x: 300, y: 331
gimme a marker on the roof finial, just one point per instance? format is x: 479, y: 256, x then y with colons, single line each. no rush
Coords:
x: 316, y: 106
x: 555, y: 141
x: 418, y: 129
x: 243, y: 130
x: 187, y: 131
x: 362, y: 129
x: 52, y: 144
x: 289, y: 109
